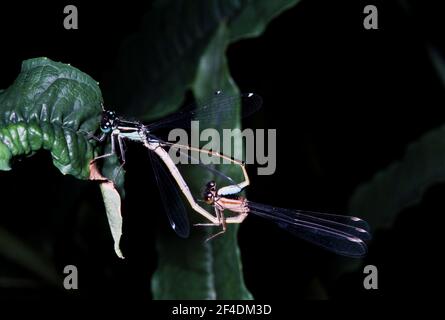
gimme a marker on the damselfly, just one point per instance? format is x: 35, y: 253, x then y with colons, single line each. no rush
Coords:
x: 344, y: 235
x: 220, y: 107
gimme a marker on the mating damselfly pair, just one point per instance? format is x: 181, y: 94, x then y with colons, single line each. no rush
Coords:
x: 344, y: 235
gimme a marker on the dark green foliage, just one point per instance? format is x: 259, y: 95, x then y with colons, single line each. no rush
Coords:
x: 50, y: 106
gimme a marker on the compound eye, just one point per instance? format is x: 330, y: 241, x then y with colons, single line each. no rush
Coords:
x: 208, y: 198
x: 105, y: 129
x: 211, y: 186
x: 105, y: 126
x: 111, y: 114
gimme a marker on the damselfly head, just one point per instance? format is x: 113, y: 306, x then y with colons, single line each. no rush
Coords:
x: 108, y: 122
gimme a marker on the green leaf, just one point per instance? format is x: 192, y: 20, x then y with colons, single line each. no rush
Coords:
x: 50, y: 106
x: 261, y: 12
x: 195, y: 269
x: 22, y: 254
x: 114, y: 170
x: 399, y: 186
x: 159, y: 64
x: 181, y: 46
x: 403, y: 183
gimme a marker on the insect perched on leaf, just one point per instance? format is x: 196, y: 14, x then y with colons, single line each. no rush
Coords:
x: 168, y: 177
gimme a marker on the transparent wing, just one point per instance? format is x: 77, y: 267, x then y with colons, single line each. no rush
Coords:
x: 347, y: 224
x: 171, y: 198
x: 343, y: 235
x: 220, y: 108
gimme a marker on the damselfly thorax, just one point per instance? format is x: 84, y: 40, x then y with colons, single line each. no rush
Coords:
x: 237, y: 205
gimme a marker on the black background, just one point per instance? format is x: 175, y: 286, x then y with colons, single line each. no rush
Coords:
x: 345, y: 102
